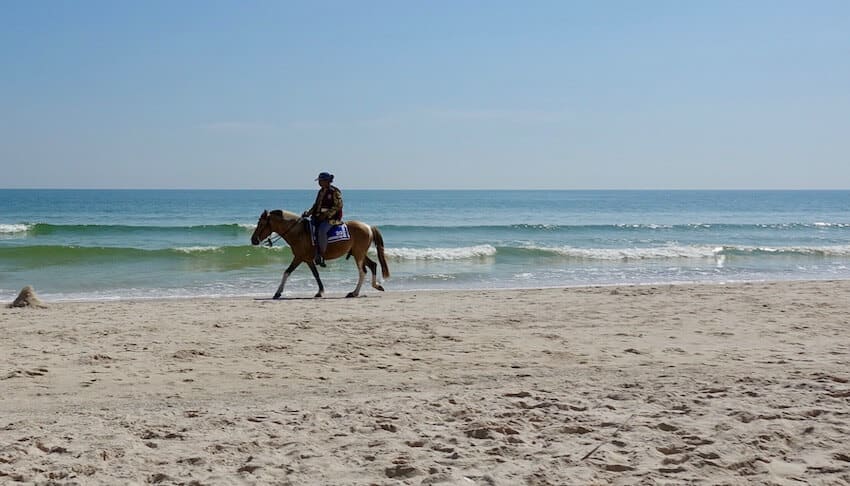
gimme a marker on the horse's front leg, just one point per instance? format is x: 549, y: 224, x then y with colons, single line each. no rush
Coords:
x: 286, y: 273
x: 315, y: 271
x: 361, y: 270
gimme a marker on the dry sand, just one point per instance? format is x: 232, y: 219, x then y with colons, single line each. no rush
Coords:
x: 703, y: 384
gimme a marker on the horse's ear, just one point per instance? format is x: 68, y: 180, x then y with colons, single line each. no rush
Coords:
x: 265, y: 213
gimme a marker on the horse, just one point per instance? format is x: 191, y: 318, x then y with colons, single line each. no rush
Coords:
x: 294, y: 230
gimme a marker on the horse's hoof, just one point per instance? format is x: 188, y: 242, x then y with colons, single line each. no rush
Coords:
x: 350, y: 295
x: 380, y: 287
x: 318, y: 295
x: 276, y: 296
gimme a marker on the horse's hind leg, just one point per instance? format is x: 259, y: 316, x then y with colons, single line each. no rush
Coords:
x: 315, y: 271
x: 361, y: 270
x: 374, y: 268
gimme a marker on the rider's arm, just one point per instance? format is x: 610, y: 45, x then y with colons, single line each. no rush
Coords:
x: 314, y: 209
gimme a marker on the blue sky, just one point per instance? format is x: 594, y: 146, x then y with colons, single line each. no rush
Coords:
x: 444, y: 94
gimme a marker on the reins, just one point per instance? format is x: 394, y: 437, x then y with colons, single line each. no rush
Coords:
x: 270, y: 242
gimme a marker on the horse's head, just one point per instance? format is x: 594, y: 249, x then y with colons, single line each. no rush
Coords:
x: 263, y: 229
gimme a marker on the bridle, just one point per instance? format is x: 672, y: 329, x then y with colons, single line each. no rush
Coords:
x: 269, y: 241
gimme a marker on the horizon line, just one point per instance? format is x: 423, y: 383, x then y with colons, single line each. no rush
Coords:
x: 411, y: 189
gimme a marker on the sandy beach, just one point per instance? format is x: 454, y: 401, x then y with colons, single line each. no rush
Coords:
x: 690, y: 384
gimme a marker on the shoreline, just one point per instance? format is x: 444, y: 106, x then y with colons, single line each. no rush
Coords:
x: 367, y: 291
x: 712, y: 383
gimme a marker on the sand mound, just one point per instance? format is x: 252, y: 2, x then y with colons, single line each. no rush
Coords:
x: 27, y: 298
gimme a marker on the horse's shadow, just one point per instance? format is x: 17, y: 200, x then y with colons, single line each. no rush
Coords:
x: 265, y: 299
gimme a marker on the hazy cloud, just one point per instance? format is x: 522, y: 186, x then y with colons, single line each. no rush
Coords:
x: 237, y: 127
x: 497, y: 115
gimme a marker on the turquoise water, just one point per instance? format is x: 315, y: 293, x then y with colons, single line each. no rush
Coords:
x: 100, y: 244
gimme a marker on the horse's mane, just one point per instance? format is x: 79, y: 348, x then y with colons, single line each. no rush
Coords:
x: 283, y: 214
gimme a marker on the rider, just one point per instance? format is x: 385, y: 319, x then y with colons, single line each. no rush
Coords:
x: 326, y: 212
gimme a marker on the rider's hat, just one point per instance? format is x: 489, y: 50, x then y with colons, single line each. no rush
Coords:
x: 325, y: 176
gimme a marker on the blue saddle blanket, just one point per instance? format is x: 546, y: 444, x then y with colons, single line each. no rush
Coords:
x: 336, y: 233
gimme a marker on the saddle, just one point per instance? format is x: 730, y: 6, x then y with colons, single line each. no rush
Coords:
x: 337, y: 232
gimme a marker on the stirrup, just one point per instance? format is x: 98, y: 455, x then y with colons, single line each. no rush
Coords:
x: 320, y: 261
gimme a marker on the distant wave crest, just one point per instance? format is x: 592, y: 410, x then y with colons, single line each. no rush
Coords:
x: 667, y: 252
x: 462, y: 253
x: 678, y: 252
x: 198, y: 256
x: 651, y: 253
x: 70, y: 230
x: 13, y: 228
x: 817, y: 251
x: 243, y: 256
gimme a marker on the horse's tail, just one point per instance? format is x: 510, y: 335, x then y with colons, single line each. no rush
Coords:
x: 379, y: 245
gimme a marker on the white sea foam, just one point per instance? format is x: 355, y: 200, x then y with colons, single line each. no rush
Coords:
x: 830, y: 250
x: 480, y: 251
x: 197, y: 249
x: 14, y: 228
x: 838, y: 250
x: 644, y: 226
x: 831, y: 225
x: 621, y: 254
x: 719, y: 253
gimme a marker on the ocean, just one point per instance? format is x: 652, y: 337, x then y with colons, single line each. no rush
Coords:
x: 137, y: 244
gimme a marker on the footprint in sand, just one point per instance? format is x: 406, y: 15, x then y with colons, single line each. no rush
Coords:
x: 666, y: 427
x: 255, y: 375
x: 675, y: 461
x: 669, y: 451
x: 158, y: 478
x: 577, y: 429
x: 270, y: 348
x: 189, y: 353
x: 18, y: 373
x: 95, y: 359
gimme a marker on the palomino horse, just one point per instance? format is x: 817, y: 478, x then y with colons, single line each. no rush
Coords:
x: 293, y: 229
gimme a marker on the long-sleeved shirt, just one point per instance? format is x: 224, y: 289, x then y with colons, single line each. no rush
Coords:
x: 328, y: 205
